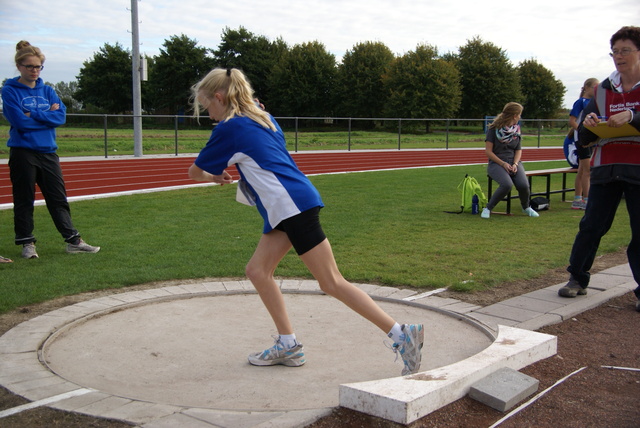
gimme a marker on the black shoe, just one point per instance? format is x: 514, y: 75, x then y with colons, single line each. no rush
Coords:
x: 572, y: 289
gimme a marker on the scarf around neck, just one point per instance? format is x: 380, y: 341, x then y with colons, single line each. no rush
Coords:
x: 507, y: 134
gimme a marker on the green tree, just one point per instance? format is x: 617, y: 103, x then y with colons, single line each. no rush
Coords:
x: 542, y: 92
x: 67, y: 92
x: 105, y: 81
x: 488, y: 78
x: 255, y: 55
x: 422, y: 85
x: 359, y: 86
x: 302, y: 82
x: 179, y: 66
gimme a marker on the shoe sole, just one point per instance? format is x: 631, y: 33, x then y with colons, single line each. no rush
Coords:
x: 288, y: 363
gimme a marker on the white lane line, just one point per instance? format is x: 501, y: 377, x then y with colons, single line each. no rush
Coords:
x: 44, y: 402
x: 423, y: 295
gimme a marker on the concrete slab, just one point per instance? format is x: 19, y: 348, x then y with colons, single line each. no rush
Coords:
x: 540, y: 321
x: 503, y: 389
x: 406, y: 399
x: 624, y: 270
x: 508, y: 312
x: 531, y: 304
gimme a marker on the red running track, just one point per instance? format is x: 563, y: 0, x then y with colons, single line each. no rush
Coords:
x: 113, y: 175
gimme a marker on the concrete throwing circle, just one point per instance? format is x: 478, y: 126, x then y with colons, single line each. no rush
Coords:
x: 192, y: 352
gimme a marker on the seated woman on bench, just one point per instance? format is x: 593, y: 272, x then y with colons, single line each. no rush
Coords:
x: 504, y: 150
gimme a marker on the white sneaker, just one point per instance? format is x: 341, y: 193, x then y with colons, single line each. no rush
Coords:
x: 82, y: 247
x: 486, y: 213
x: 278, y: 354
x: 530, y: 212
x: 29, y: 251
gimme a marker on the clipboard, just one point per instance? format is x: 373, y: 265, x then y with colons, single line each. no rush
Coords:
x: 604, y: 131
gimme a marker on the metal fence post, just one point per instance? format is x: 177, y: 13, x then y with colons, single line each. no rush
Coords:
x: 296, y: 149
x: 175, y: 127
x: 399, y: 131
x: 538, y: 120
x: 447, y: 134
x: 106, y: 155
x: 349, y: 140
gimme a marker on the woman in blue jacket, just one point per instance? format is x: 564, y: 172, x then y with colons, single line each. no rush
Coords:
x: 250, y: 138
x: 34, y: 110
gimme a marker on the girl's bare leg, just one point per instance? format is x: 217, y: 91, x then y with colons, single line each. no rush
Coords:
x: 273, y: 246
x: 323, y: 267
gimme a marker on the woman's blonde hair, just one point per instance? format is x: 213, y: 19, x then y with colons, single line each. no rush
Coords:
x: 592, y: 81
x: 24, y: 50
x: 237, y: 92
x: 509, y: 111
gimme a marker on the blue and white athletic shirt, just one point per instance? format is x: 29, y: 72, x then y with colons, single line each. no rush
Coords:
x: 281, y: 190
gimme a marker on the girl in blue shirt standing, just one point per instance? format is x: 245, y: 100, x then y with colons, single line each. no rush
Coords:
x: 250, y: 138
x: 578, y: 156
x: 34, y: 111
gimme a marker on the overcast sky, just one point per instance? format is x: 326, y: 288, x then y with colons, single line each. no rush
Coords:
x: 571, y: 39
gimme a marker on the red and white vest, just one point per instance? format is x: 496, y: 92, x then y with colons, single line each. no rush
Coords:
x: 619, y: 150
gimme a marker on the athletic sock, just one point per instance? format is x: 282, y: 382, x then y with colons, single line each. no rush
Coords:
x: 396, y: 334
x: 577, y: 198
x: 288, y: 340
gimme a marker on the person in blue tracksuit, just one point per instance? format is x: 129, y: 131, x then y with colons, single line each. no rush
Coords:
x: 34, y: 111
x: 250, y: 138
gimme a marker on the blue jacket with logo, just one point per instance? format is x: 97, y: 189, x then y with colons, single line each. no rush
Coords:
x: 38, y: 130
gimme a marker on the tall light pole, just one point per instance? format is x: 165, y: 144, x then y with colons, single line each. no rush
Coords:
x: 135, y: 73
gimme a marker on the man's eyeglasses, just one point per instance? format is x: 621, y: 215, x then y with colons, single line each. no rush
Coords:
x: 33, y: 67
x: 623, y: 52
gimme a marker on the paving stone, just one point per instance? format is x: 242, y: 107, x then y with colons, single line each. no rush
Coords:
x: 508, y: 312
x: 539, y: 322
x: 177, y: 420
x: 140, y: 412
x: 532, y: 304
x: 436, y: 302
x: 213, y: 287
x: 491, y: 321
x: 624, y: 270
x: 461, y: 307
x: 384, y: 291
x: 402, y: 293
x: 503, y: 389
x: 231, y: 419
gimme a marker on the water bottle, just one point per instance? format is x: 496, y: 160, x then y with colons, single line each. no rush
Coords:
x: 474, y: 205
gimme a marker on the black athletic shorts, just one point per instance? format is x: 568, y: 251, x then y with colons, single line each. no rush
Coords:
x: 303, y: 230
x: 583, y: 152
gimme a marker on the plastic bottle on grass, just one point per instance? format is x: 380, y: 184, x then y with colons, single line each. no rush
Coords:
x: 474, y: 205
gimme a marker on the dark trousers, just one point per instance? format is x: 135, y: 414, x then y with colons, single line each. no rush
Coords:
x: 601, y: 210
x: 28, y: 168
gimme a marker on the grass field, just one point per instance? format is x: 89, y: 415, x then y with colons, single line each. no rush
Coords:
x: 387, y: 227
